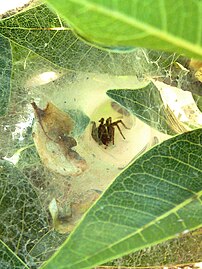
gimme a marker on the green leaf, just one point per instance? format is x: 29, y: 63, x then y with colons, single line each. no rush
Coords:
x: 156, y: 198
x: 161, y: 25
x: 42, y: 31
x: 198, y: 100
x: 147, y: 105
x: 23, y: 220
x: 47, y: 245
x: 9, y: 259
x: 81, y: 121
x: 5, y: 74
x: 185, y: 249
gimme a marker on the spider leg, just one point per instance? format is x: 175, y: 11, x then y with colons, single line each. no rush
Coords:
x: 116, y: 124
x: 93, y: 126
x: 120, y: 121
x: 94, y: 132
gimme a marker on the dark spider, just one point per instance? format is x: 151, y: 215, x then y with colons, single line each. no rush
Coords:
x: 104, y: 133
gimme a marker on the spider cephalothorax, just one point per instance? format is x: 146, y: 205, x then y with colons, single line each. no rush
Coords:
x: 104, y: 133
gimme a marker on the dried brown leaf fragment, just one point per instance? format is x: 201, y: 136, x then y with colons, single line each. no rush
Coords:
x: 54, y: 143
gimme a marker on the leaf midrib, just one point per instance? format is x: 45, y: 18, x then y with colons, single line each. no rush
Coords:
x: 142, y: 105
x: 163, y: 35
x: 37, y: 28
x: 14, y: 254
x: 139, y: 231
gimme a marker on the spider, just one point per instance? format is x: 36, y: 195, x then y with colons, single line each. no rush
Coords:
x: 104, y: 133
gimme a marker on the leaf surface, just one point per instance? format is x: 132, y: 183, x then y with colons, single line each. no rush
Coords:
x: 185, y: 249
x: 43, y: 32
x: 198, y: 100
x: 161, y: 25
x: 46, y: 246
x: 156, y: 198
x: 5, y: 73
x: 148, y: 106
x: 23, y: 221
x: 9, y: 259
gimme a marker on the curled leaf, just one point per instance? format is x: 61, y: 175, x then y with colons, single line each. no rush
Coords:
x: 196, y: 67
x: 64, y: 222
x: 54, y: 143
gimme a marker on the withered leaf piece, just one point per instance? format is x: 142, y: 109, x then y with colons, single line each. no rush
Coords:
x: 66, y: 223
x: 196, y: 67
x: 54, y: 143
